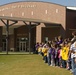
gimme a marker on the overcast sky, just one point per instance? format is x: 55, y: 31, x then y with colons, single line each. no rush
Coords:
x: 61, y: 2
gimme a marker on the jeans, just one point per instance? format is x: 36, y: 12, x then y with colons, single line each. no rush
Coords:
x: 45, y: 59
x: 52, y: 61
x: 57, y: 62
x: 63, y: 63
x: 49, y: 59
x: 73, y: 65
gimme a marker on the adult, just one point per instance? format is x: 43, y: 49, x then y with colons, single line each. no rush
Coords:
x: 74, y: 37
x: 73, y: 52
x: 73, y: 57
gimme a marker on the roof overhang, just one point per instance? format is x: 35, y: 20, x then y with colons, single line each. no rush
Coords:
x: 71, y: 8
x: 23, y: 19
x: 15, y: 20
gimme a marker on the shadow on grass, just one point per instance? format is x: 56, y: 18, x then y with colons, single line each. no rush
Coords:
x: 16, y: 53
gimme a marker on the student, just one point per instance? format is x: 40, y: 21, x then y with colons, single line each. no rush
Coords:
x: 65, y: 55
x: 53, y: 55
x: 36, y: 47
x: 57, y: 48
x: 49, y: 55
x: 44, y: 50
x: 40, y: 49
x: 60, y: 56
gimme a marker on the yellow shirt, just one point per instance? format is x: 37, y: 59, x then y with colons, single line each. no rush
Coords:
x: 65, y: 51
x: 39, y: 49
x: 44, y: 50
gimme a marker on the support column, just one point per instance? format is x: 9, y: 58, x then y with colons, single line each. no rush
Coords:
x: 30, y: 38
x: 0, y: 38
x: 38, y: 34
x: 7, y: 37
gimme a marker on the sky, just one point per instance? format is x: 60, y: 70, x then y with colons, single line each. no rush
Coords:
x: 60, y: 2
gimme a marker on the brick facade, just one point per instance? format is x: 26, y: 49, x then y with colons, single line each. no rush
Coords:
x: 60, y: 18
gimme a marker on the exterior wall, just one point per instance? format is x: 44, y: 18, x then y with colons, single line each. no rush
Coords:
x: 49, y: 33
x: 70, y: 22
x: 22, y: 32
x: 37, y: 10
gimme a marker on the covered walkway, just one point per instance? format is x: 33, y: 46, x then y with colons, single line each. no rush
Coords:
x: 13, y: 21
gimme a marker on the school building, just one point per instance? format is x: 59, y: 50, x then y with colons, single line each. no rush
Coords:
x: 22, y: 24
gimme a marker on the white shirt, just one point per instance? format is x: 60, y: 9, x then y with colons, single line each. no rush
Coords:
x: 73, y: 47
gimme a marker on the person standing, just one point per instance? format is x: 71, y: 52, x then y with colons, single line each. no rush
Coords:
x: 65, y: 55
x: 44, y: 51
x: 49, y: 55
x: 73, y: 53
x: 74, y: 37
x: 73, y: 57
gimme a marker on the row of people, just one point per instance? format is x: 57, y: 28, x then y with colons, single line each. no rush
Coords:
x: 58, y: 52
x: 55, y: 54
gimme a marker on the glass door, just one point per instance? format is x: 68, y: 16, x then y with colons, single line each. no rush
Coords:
x: 22, y: 46
x: 4, y: 44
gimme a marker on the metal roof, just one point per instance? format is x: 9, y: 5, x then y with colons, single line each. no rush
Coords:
x: 23, y: 19
x: 71, y: 8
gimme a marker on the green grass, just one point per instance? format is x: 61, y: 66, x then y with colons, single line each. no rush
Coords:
x: 26, y: 64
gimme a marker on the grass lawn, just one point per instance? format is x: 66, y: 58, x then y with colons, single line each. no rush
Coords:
x: 25, y: 64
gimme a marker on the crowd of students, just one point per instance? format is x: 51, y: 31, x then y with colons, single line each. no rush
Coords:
x: 56, y: 52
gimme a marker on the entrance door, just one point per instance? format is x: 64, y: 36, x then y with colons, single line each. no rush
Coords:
x: 22, y: 46
x: 4, y: 46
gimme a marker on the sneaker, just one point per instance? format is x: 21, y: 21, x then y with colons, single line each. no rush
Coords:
x: 68, y: 68
x: 71, y: 71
